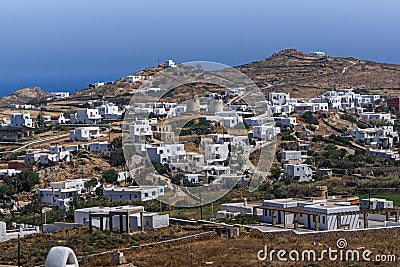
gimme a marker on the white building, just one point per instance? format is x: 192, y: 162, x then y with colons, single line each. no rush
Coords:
x: 371, y: 116
x: 278, y: 98
x: 229, y: 118
x: 169, y: 64
x: 300, y: 172
x: 109, y: 111
x: 291, y: 156
x: 216, y: 152
x: 151, y: 220
x: 20, y: 120
x: 60, y: 194
x: 60, y: 119
x: 86, y: 116
x: 122, y: 176
x: 9, y: 172
x: 387, y: 154
x: 328, y: 212
x: 59, y: 95
x: 166, y: 153
x: 366, y: 99
x: 281, y: 216
x: 328, y: 219
x: 96, y: 84
x: 300, y: 108
x: 265, y: 132
x: 240, y: 140
x: 286, y: 121
x: 382, y: 137
x: 229, y: 210
x: 99, y: 147
x: 195, y: 178
x: 317, y: 54
x: 56, y: 153
x: 376, y: 204
x: 140, y: 131
x: 85, y: 134
x: 134, y: 78
x: 133, y: 193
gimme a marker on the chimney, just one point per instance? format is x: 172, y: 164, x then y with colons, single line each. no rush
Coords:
x: 322, y: 192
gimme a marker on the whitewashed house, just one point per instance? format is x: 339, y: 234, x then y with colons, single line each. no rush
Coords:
x: 291, y: 156
x: 216, y: 152
x: 376, y: 204
x: 300, y: 172
x: 85, y: 134
x: 300, y: 108
x: 99, y: 147
x: 86, y: 116
x: 166, y: 153
x: 60, y: 194
x: 382, y: 137
x: 140, y: 131
x: 265, y: 132
x: 286, y: 121
x: 59, y: 95
x: 195, y: 178
x: 281, y: 216
x: 371, y: 116
x: 56, y: 154
x: 382, y: 153
x: 169, y: 64
x: 20, y: 120
x: 230, y: 210
x: 150, y: 220
x: 328, y: 219
x: 328, y: 212
x: 122, y: 176
x: 109, y: 111
x: 133, y: 193
x: 278, y: 98
x: 60, y: 119
x: 134, y: 78
x: 9, y: 172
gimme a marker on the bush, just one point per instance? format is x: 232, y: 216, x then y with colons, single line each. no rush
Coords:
x: 309, y: 118
x: 160, y: 168
x: 110, y: 176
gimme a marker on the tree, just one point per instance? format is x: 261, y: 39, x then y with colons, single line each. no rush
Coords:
x: 276, y: 173
x: 110, y: 176
x: 160, y: 168
x: 117, y: 157
x: 91, y: 184
x: 309, y: 118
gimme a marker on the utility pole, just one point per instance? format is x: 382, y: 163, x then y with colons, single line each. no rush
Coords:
x: 201, y: 208
x: 19, y: 252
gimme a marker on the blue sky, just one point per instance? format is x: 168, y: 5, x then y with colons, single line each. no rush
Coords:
x: 66, y: 44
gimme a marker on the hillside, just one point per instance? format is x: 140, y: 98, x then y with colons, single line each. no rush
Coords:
x: 291, y: 71
x: 32, y: 96
x: 303, y: 75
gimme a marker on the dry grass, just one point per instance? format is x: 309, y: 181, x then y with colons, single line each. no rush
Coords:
x: 242, y: 251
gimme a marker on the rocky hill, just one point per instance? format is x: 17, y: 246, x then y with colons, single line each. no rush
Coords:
x: 303, y: 75
x: 32, y: 96
x: 293, y: 71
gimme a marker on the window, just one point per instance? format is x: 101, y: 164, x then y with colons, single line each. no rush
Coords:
x: 323, y: 219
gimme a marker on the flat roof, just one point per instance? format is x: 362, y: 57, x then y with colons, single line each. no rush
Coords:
x: 110, y: 209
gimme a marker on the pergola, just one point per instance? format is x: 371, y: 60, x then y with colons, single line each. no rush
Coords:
x: 110, y: 215
x: 296, y: 211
